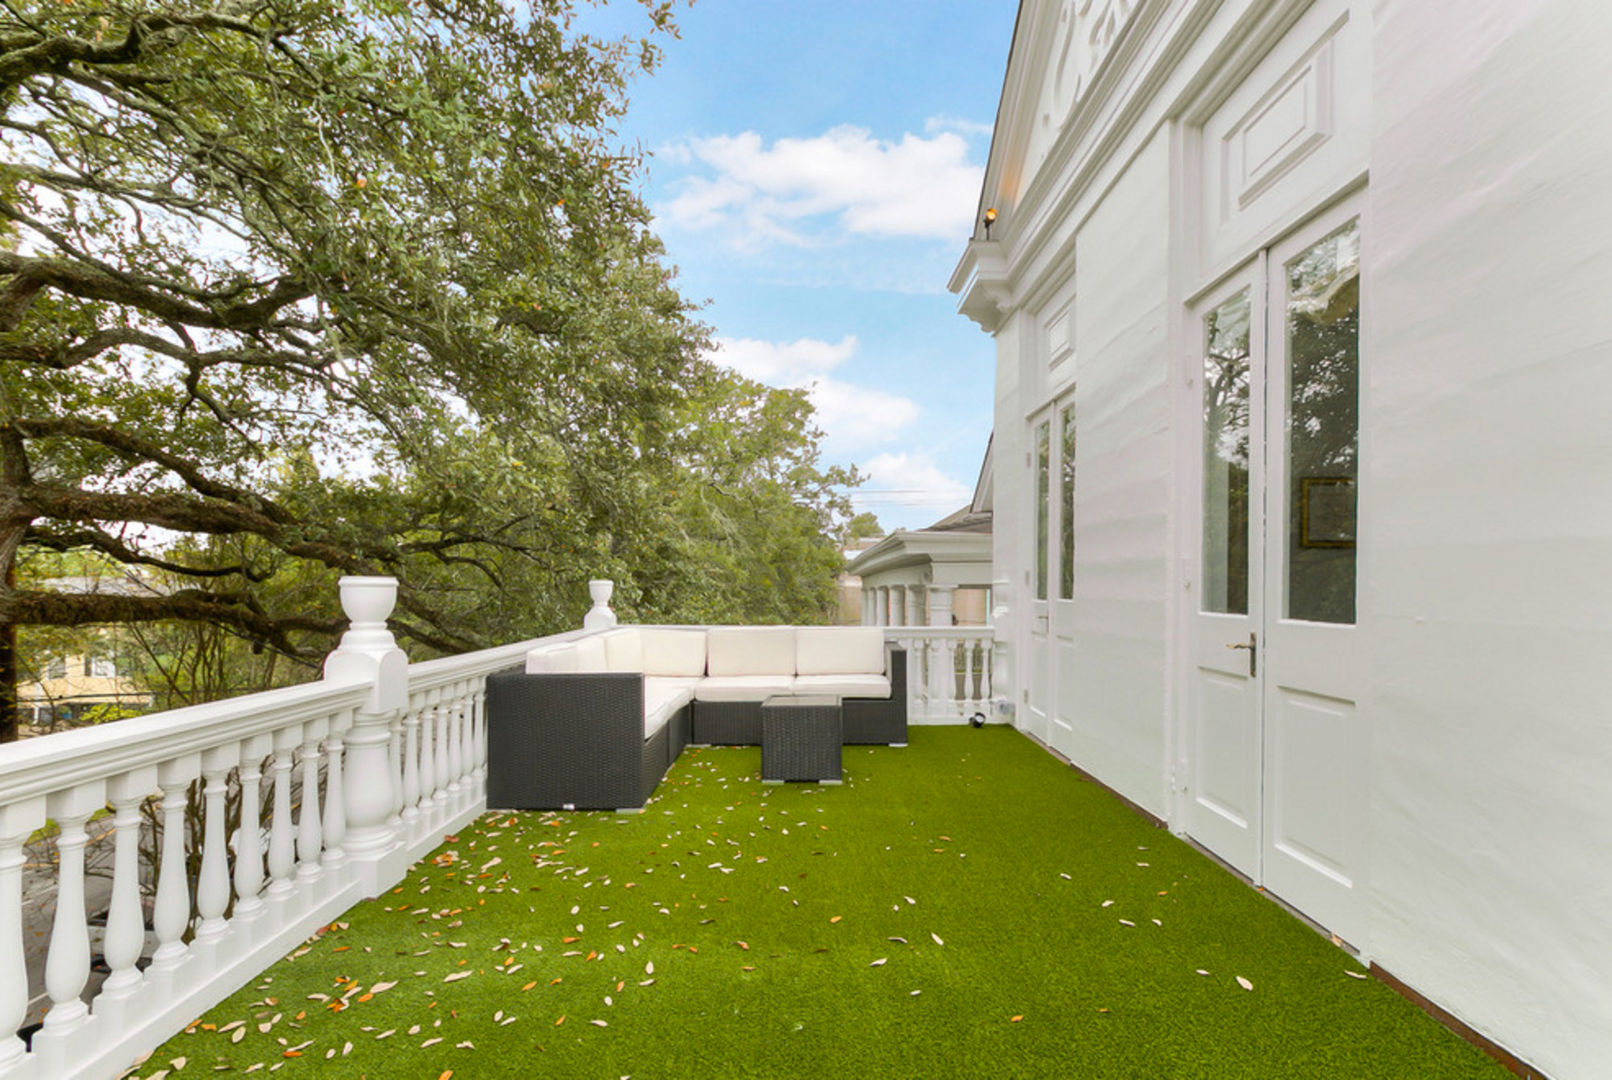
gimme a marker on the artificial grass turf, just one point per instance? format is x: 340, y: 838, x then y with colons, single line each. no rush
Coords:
x: 961, y: 907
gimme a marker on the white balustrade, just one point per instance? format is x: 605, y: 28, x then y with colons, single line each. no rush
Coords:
x: 404, y: 753
x: 948, y: 672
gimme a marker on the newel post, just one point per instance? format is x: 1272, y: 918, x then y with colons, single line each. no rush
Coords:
x: 600, y: 617
x: 368, y: 653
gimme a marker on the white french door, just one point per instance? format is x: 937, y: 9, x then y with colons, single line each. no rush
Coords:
x: 1038, y: 666
x: 1277, y: 751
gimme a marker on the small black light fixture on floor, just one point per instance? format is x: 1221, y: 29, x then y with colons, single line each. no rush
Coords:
x: 990, y: 219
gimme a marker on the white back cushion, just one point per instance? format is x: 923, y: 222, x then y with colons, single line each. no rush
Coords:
x: 553, y: 658
x: 590, y: 652
x: 675, y: 653
x: 839, y: 650
x: 750, y: 650
x: 624, y: 650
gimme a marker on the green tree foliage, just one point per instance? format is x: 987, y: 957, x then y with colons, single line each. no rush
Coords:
x: 304, y: 289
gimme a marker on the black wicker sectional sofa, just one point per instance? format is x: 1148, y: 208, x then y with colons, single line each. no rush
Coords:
x: 594, y: 723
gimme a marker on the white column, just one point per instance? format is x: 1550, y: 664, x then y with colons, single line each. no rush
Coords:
x: 940, y: 604
x: 867, y: 607
x: 441, y: 808
x: 212, y: 881
x: 18, y: 821
x: 600, y: 617
x: 369, y: 653
x: 898, y: 605
x: 67, y: 967
x: 249, y: 907
x: 912, y: 598
x: 335, y: 824
x: 467, y: 743
x: 125, y: 925
x: 881, y: 604
x: 171, y: 914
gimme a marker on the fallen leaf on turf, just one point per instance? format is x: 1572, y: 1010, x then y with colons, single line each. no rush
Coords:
x: 527, y: 987
x: 238, y: 1035
x: 745, y: 945
x: 446, y: 1075
x: 1126, y: 922
x: 1015, y: 1019
x: 598, y: 1023
x: 560, y: 1021
x: 880, y: 962
x: 1201, y: 971
x: 898, y: 940
x: 1244, y: 983
x: 458, y: 975
x: 936, y: 938
x: 1355, y: 974
x: 836, y: 918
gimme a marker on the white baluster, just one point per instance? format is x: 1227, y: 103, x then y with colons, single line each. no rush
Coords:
x: 212, y: 881
x: 970, y: 699
x: 467, y: 744
x: 18, y: 821
x: 249, y: 907
x: 282, y: 857
x: 67, y: 967
x: 125, y: 923
x: 172, y: 912
x: 428, y: 762
x: 394, y: 768
x: 445, y: 753
x: 310, y: 836
x: 411, y: 768
x: 481, y: 737
x: 450, y: 720
x: 987, y: 661
x: 335, y: 855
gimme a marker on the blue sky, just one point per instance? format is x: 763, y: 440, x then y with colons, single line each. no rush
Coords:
x: 814, y: 167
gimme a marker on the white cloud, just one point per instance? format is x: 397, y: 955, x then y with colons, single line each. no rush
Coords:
x: 957, y: 124
x: 783, y: 363
x: 911, y: 480
x: 852, y: 417
x: 817, y: 190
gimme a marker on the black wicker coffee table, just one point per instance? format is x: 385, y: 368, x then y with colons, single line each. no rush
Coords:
x: 800, y: 738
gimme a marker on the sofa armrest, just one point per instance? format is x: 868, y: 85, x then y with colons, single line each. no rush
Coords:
x: 558, y: 740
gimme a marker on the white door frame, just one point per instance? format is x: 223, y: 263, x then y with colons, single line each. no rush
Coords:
x: 1316, y: 665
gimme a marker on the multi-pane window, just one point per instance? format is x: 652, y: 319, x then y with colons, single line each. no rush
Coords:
x: 1043, y: 495
x: 1323, y: 420
x: 1066, y: 505
x: 1225, y: 456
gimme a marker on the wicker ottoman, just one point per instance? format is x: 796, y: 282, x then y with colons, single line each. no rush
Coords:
x: 800, y: 738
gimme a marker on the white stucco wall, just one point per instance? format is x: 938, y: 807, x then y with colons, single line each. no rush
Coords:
x: 1115, y: 697
x: 1486, y: 528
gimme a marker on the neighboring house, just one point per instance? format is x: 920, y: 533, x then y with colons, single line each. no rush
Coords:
x: 1303, y: 318
x: 935, y: 576
x: 69, y: 687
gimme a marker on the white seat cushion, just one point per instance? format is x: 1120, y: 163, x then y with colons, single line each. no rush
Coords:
x: 624, y: 650
x: 742, y: 687
x: 678, y: 653
x: 662, y: 699
x: 590, y: 652
x: 860, y: 686
x: 839, y: 650
x: 750, y: 650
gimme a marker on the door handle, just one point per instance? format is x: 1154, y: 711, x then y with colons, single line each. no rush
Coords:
x: 1252, y: 645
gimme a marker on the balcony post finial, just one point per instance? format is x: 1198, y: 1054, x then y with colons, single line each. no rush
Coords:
x: 600, y: 617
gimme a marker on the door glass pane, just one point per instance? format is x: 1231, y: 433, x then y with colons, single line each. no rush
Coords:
x: 1323, y: 412
x: 1066, y: 507
x: 1225, y: 457
x: 1042, y: 494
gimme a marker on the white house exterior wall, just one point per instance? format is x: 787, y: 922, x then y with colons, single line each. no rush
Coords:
x: 1491, y: 522
x: 1475, y: 139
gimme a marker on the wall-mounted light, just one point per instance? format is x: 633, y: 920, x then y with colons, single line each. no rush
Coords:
x: 990, y: 219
